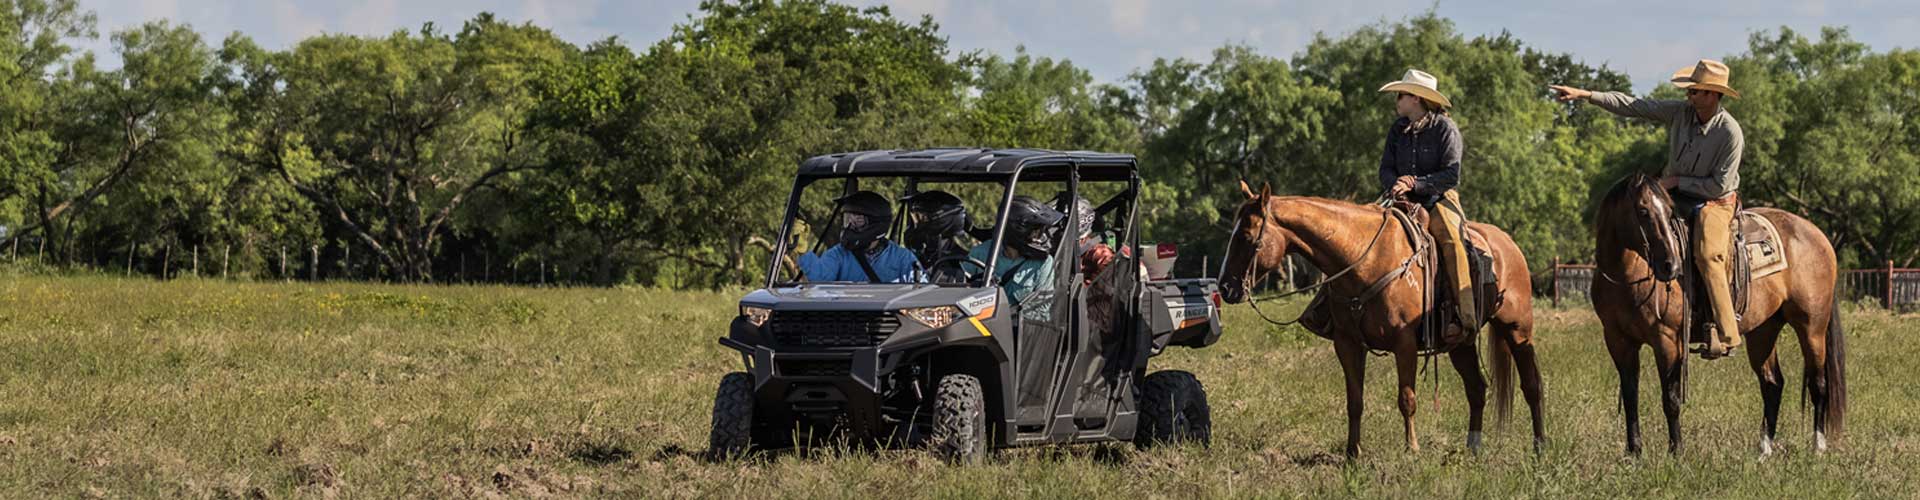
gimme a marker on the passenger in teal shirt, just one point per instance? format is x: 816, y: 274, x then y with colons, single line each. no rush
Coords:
x: 1019, y: 276
x: 1026, y: 260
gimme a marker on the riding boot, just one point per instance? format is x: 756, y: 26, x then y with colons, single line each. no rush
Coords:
x: 1712, y: 242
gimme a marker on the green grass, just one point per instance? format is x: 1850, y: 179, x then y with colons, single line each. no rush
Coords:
x: 135, y: 388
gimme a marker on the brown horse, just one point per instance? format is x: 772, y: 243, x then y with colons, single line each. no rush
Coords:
x: 1356, y: 245
x: 1638, y: 256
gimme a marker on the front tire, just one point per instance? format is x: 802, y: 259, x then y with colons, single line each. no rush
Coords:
x: 959, y: 420
x: 732, y: 433
x: 1173, y: 410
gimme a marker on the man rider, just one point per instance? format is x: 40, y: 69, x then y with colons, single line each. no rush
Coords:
x: 1702, y: 173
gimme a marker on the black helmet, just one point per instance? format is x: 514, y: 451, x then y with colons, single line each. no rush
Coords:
x: 938, y: 215
x: 1031, y: 227
x: 865, y: 217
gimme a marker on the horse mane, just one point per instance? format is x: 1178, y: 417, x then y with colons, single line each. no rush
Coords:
x: 1324, y: 203
x: 1627, y: 186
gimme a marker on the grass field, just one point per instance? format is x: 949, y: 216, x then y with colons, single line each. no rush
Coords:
x: 136, y: 388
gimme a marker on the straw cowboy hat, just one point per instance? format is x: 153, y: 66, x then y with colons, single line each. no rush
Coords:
x: 1708, y: 74
x: 1421, y: 84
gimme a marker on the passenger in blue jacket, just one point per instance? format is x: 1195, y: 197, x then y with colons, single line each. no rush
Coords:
x: 865, y: 218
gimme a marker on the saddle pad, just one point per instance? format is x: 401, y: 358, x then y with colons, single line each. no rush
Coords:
x: 1764, y: 248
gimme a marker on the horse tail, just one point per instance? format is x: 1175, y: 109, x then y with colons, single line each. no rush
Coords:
x: 1501, y: 364
x: 1836, y: 369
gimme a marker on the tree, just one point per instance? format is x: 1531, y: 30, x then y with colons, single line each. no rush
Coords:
x: 33, y: 42
x: 388, y: 137
x: 1831, y: 134
x: 683, y: 154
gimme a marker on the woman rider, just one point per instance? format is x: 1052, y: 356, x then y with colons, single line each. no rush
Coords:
x: 1422, y: 165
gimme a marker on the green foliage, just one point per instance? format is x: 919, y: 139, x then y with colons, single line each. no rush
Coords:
x: 501, y: 152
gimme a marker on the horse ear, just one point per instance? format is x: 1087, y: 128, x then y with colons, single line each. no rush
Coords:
x: 1247, y: 190
x: 1266, y: 190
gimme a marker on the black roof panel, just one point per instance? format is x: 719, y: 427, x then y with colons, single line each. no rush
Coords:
x: 964, y: 162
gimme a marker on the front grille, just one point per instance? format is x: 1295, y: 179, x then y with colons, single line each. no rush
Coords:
x: 811, y: 368
x: 831, y: 328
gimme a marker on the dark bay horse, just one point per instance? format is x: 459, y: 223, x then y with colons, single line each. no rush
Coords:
x: 1638, y: 256
x: 1357, y: 245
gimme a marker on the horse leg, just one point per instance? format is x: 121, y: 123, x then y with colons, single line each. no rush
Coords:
x: 1626, y: 361
x: 1813, y: 330
x: 1671, y: 359
x: 1525, y: 361
x: 1353, y: 362
x: 1407, y: 362
x: 1766, y: 367
x: 1466, y: 360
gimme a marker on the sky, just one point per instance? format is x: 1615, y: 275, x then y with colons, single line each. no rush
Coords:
x: 1111, y: 38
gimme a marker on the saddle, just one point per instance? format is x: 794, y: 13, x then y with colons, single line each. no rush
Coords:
x: 1442, y: 292
x: 1758, y: 252
x: 1434, y: 337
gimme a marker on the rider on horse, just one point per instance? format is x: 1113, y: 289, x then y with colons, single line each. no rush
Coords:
x: 1702, y: 173
x: 1422, y: 165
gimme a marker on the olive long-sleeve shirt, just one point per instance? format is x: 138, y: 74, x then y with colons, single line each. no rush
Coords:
x: 1705, y: 157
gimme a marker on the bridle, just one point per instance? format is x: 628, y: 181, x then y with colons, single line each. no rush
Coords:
x: 1250, y: 276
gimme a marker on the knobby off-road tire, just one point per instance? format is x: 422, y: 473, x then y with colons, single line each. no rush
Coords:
x: 1173, y: 410
x: 732, y: 433
x: 959, y: 420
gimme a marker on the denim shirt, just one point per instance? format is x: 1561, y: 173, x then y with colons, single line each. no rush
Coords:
x: 1431, y: 155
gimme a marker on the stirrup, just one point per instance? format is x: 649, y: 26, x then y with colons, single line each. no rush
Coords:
x: 1707, y: 352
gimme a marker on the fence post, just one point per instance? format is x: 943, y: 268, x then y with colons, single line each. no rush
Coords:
x: 313, y: 269
x: 166, y: 261
x: 1286, y: 271
x: 283, y: 263
x: 1554, y: 281
x: 225, y: 250
x: 130, y: 249
x: 1887, y: 301
x: 346, y: 262
x: 196, y: 261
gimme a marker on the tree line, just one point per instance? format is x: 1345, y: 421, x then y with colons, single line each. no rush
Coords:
x: 485, y: 152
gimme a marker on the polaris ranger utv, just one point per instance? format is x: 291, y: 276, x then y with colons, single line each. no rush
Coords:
x: 954, y: 362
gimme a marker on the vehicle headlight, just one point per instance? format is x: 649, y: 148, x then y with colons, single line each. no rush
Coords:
x: 756, y: 315
x: 933, y: 317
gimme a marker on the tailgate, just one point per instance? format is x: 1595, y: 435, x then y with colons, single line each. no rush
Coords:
x: 1183, y: 312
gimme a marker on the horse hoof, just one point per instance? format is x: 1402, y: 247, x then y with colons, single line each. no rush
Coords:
x: 1766, y: 447
x: 1819, y: 442
x: 1539, y: 446
x: 1473, y: 442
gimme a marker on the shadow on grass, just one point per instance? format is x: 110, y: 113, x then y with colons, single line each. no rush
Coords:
x: 600, y: 454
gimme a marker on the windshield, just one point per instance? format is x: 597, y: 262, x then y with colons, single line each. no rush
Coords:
x: 937, y: 231
x: 885, y: 216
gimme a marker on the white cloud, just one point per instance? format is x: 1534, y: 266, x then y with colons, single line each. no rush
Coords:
x: 1110, y: 38
x: 289, y: 25
x: 1129, y: 17
x: 373, y: 17
x: 911, y: 10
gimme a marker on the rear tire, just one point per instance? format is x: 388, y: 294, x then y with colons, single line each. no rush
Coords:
x: 959, y: 420
x: 1173, y: 410
x: 732, y: 433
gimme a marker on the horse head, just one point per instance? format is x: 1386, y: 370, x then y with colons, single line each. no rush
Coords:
x: 1255, y: 247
